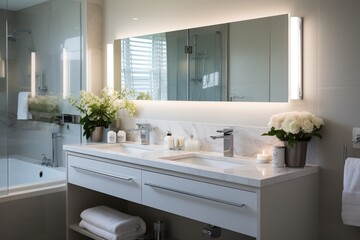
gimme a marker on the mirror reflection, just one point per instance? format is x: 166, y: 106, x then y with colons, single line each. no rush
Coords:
x: 238, y: 61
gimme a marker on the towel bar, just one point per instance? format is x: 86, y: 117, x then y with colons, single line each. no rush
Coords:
x: 345, y: 153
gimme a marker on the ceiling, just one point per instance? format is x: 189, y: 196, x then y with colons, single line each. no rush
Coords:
x: 16, y: 5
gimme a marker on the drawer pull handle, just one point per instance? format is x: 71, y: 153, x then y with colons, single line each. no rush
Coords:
x: 128, y: 179
x: 194, y: 195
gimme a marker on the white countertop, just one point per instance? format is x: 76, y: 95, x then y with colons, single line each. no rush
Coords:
x: 248, y: 173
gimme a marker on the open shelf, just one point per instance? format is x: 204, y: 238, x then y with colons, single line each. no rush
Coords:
x: 75, y: 227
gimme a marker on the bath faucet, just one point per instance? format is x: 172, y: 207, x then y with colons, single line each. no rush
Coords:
x: 55, y: 149
x: 228, y: 141
x: 45, y: 161
x: 144, y: 129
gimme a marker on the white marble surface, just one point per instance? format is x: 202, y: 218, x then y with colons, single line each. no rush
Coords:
x: 249, y: 173
x: 247, y: 140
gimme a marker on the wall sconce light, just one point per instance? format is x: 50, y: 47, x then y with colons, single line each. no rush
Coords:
x: 296, y: 90
x: 110, y: 65
x: 33, y: 74
x: 65, y: 73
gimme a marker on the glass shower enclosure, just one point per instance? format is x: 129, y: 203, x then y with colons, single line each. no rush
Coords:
x: 40, y: 66
x: 3, y: 103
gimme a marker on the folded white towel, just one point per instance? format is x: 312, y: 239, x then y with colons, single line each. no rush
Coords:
x: 113, y: 221
x: 105, y: 234
x: 351, y: 193
x: 23, y: 107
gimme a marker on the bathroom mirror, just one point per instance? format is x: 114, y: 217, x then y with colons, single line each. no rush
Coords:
x: 237, y: 61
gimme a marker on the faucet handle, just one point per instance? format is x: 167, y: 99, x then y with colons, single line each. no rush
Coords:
x: 143, y: 126
x: 226, y: 131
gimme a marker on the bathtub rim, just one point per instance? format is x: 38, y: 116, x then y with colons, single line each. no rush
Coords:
x: 32, y: 190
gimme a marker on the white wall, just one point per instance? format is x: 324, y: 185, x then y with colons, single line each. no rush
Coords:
x: 331, y: 72
x: 339, y: 85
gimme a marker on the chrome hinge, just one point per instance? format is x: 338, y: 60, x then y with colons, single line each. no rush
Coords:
x: 188, y: 49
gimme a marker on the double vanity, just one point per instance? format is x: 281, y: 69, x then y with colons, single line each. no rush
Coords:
x: 234, y: 193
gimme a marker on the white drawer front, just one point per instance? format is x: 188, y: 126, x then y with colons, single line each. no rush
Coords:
x: 230, y: 208
x: 115, y: 180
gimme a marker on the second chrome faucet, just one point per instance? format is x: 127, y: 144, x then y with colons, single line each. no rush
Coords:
x: 228, y: 141
x: 144, y: 129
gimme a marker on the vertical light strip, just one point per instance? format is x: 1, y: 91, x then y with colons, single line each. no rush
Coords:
x: 65, y: 73
x: 88, y: 71
x: 296, y: 91
x: 33, y: 74
x: 2, y: 67
x: 110, y: 65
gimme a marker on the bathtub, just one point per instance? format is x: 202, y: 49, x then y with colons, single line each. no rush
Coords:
x: 27, y: 178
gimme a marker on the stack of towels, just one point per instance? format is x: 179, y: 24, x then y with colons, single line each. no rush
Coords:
x: 111, y: 224
x: 351, y: 193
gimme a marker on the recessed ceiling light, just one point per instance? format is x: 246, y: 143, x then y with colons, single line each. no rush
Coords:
x: 135, y: 18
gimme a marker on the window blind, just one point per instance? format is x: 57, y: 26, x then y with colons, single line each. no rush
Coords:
x: 143, y: 65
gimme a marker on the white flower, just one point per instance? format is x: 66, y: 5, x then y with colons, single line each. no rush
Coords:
x: 307, y: 126
x: 294, y: 126
x: 318, y: 122
x: 276, y: 120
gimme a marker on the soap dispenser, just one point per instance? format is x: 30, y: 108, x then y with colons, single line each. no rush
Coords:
x: 169, y: 141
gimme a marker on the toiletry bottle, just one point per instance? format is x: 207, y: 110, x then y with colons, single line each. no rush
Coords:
x: 111, y: 137
x: 192, y: 144
x: 121, y: 136
x: 169, y: 141
x: 180, y: 143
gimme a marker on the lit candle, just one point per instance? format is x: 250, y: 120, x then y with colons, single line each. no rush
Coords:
x: 263, y: 157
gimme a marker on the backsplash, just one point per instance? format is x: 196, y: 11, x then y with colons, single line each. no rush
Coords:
x: 247, y: 140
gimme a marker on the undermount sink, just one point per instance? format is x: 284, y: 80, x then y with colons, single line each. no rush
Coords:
x: 127, y: 149
x: 205, y: 161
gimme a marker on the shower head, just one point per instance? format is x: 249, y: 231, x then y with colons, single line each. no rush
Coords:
x: 13, y: 38
x: 17, y: 30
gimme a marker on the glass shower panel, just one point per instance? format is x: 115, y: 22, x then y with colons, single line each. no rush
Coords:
x: 3, y: 102
x: 177, y: 65
x: 206, y: 63
x: 45, y: 66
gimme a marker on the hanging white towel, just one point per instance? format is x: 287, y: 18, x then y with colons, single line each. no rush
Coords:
x: 113, y: 221
x: 23, y: 107
x: 351, y: 193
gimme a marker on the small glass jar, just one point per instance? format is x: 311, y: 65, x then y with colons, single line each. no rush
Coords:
x: 278, y: 156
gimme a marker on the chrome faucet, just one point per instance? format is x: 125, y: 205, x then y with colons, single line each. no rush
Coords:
x: 45, y: 161
x: 144, y: 129
x: 228, y: 141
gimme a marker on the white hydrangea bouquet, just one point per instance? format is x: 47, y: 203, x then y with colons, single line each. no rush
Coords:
x: 295, y: 126
x: 101, y: 111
